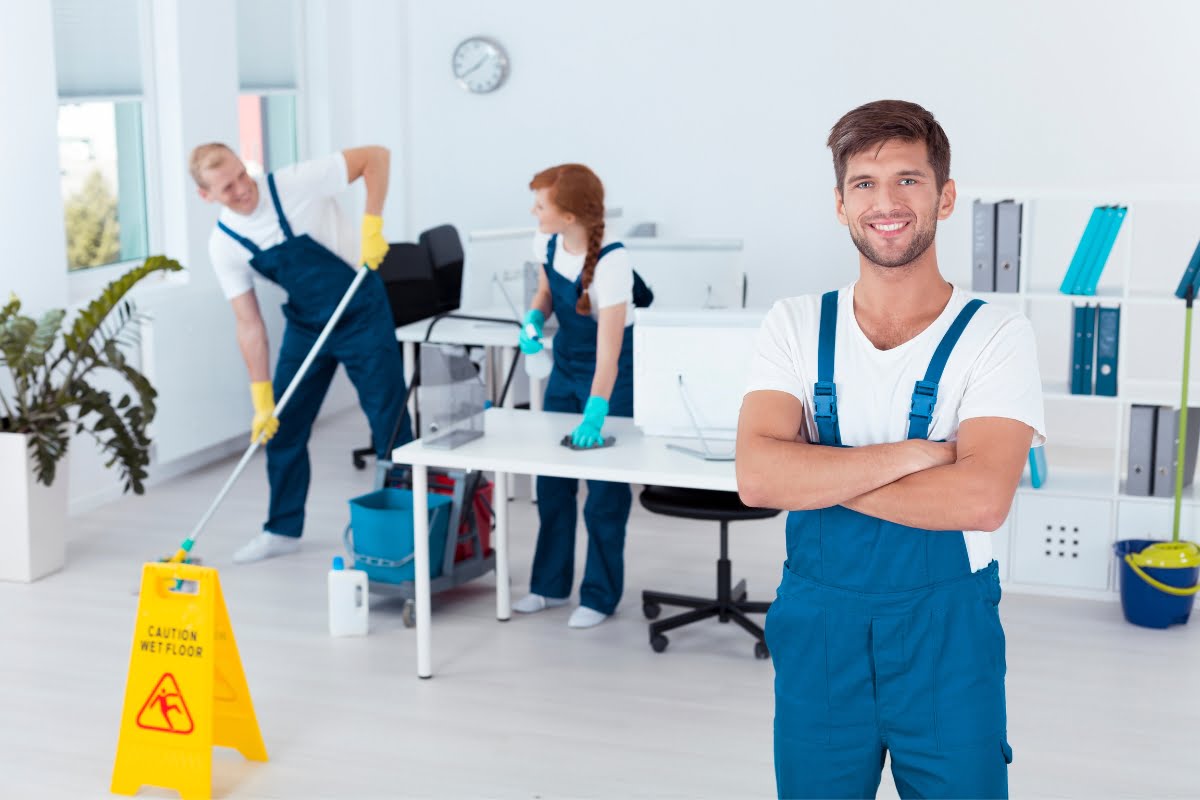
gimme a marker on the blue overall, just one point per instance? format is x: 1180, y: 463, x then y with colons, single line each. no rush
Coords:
x: 364, y: 342
x: 606, y: 510
x: 883, y: 639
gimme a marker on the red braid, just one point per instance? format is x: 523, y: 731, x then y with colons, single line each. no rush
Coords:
x: 595, y: 240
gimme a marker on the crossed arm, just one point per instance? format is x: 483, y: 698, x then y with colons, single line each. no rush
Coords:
x: 963, y: 485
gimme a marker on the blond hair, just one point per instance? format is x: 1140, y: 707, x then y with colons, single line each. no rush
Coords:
x: 207, y: 156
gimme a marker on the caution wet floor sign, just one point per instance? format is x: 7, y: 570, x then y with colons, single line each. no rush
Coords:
x: 186, y: 690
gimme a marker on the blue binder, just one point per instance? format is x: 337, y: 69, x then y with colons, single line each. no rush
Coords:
x: 1077, y: 351
x: 1037, y: 466
x: 1089, y: 277
x: 1089, y: 348
x: 1081, y: 251
x: 1108, y: 329
x: 1189, y: 275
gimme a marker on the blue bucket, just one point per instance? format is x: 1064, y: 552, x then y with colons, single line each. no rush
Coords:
x: 1142, y: 603
x: 380, y: 534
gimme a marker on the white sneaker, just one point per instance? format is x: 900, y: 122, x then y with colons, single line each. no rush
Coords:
x: 531, y: 603
x: 266, y: 545
x: 584, y: 617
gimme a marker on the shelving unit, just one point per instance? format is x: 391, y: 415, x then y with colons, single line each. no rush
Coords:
x: 1058, y: 539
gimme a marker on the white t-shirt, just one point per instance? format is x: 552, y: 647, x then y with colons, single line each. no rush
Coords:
x: 992, y: 372
x: 612, y: 282
x: 306, y: 192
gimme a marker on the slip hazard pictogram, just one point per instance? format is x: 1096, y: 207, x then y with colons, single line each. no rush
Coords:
x: 165, y: 709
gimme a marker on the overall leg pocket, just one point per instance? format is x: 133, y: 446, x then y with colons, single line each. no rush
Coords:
x: 796, y: 636
x: 969, y: 704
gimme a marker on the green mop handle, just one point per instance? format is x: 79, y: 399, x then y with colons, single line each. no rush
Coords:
x: 190, y: 541
x: 1181, y: 445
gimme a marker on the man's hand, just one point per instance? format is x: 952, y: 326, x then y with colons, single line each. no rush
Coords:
x: 265, y: 423
x: 374, y: 246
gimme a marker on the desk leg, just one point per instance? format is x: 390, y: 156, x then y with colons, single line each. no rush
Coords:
x: 410, y: 369
x: 503, y: 590
x: 536, y: 389
x: 420, y: 480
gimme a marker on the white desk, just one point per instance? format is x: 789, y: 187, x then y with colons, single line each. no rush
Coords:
x: 527, y: 442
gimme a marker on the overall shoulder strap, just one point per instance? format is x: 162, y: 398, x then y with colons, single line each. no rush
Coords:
x: 608, y: 248
x: 825, y: 391
x: 242, y: 240
x: 283, y: 222
x: 551, y: 246
x: 925, y: 391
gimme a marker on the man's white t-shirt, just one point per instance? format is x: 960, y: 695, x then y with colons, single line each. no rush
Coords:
x: 612, y: 282
x: 992, y: 372
x: 306, y: 192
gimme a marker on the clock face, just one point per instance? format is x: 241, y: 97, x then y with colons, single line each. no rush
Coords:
x: 480, y: 65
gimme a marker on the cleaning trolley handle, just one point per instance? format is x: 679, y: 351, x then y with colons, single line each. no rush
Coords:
x: 190, y: 541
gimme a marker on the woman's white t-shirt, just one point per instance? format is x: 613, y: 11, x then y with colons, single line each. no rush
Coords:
x: 612, y: 282
x: 307, y: 194
x: 992, y: 372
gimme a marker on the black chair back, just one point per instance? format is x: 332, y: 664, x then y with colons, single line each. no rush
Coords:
x: 407, y: 275
x: 446, y: 254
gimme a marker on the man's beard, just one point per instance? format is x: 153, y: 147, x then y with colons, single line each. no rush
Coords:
x: 921, y: 240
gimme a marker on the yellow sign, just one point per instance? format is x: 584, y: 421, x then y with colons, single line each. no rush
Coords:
x: 186, y: 690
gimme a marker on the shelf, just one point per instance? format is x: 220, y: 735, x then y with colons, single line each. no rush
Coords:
x: 1129, y: 392
x: 1067, y: 482
x: 1102, y: 295
x: 1058, y: 390
x: 1189, y: 496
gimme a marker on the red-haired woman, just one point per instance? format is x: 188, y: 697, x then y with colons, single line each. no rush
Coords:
x: 589, y: 284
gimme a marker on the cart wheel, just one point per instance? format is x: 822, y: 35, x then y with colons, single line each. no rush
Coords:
x: 659, y: 642
x: 761, y: 651
x: 408, y: 614
x: 359, y: 462
x: 651, y: 610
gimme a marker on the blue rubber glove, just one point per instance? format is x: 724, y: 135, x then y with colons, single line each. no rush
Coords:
x: 531, y: 332
x: 588, y: 432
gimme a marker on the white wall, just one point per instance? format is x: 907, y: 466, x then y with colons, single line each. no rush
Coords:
x: 711, y: 116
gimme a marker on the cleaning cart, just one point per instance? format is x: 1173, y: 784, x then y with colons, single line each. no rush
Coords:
x: 379, y: 537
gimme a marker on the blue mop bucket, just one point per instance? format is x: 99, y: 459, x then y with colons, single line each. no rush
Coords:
x: 1142, y: 603
x: 380, y: 534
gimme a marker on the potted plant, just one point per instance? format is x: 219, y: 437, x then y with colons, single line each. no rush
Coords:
x: 50, y: 394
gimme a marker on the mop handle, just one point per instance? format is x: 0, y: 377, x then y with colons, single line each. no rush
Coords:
x: 190, y: 541
x: 1180, y: 451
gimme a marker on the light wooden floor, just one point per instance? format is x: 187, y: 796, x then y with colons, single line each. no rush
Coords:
x: 527, y: 709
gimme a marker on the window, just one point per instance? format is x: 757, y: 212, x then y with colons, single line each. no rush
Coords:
x: 102, y: 164
x: 268, y: 77
x: 103, y: 183
x: 267, y: 130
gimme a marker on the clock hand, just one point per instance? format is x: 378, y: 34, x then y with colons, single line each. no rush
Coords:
x: 478, y: 64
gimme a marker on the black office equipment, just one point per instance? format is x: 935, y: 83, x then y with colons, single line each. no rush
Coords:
x: 407, y: 274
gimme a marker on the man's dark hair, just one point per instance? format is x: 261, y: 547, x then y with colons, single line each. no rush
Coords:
x: 873, y: 124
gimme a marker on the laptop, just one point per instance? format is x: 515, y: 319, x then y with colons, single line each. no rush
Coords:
x: 722, y: 452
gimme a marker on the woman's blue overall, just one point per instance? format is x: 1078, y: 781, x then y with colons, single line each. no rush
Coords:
x: 606, y: 510
x: 364, y: 342
x: 884, y: 641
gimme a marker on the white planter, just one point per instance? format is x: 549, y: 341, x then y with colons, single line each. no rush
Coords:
x: 33, y: 517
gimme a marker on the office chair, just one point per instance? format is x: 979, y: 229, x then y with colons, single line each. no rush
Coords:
x: 446, y: 255
x: 730, y: 604
x: 407, y: 275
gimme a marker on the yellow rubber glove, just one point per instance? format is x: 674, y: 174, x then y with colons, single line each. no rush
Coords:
x: 265, y: 422
x: 374, y: 246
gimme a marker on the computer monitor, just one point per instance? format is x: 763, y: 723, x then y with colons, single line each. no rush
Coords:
x: 697, y: 357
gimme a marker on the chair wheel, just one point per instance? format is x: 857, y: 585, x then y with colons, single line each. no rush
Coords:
x: 761, y: 651
x: 651, y: 610
x: 408, y: 614
x: 659, y: 642
x: 360, y: 462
